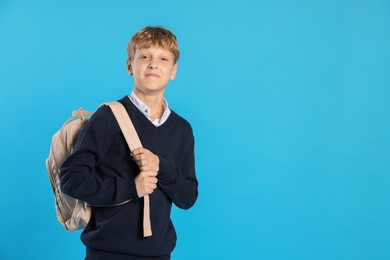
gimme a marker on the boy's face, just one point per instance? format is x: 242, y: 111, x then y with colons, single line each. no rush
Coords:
x: 152, y: 69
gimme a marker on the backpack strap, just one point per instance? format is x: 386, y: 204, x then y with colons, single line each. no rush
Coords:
x: 133, y: 142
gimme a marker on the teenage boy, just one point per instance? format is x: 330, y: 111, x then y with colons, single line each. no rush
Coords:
x: 101, y: 172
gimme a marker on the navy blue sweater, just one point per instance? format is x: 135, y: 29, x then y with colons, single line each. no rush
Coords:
x: 100, y: 171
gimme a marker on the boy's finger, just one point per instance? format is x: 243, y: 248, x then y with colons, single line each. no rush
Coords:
x: 150, y: 173
x: 153, y: 180
x: 139, y: 157
x: 137, y: 151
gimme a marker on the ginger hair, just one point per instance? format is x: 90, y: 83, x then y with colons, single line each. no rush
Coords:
x: 153, y: 36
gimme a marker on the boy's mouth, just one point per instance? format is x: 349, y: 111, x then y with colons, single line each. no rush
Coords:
x: 152, y: 75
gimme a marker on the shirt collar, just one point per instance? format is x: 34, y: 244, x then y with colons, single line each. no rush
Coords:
x: 146, y: 110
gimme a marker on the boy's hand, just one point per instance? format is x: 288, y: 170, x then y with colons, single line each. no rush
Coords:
x: 146, y: 160
x: 145, y: 183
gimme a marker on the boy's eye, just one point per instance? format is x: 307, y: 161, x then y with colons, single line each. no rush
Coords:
x: 164, y: 59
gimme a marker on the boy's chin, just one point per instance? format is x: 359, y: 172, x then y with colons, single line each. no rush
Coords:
x: 150, y: 89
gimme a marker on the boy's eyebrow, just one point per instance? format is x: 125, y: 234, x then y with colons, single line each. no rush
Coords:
x: 144, y: 51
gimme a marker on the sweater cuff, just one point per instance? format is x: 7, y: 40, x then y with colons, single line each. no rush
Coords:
x: 128, y: 190
x: 167, y: 170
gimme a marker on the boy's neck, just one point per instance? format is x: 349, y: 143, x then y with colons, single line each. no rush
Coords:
x: 153, y: 101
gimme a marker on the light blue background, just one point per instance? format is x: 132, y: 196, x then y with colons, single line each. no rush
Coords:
x: 289, y: 101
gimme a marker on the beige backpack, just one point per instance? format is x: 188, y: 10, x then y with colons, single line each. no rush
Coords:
x: 72, y: 213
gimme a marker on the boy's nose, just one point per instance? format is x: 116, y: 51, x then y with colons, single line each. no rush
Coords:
x: 152, y: 65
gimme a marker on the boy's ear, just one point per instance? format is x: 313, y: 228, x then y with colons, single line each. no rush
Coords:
x: 129, y: 68
x: 174, y: 71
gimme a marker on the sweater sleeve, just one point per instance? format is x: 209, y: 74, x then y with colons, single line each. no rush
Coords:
x: 80, y: 174
x: 179, y: 182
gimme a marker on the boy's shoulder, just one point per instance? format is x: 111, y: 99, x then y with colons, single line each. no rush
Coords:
x: 183, y: 124
x: 181, y: 120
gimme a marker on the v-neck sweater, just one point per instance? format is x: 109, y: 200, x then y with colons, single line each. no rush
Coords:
x: 101, y: 172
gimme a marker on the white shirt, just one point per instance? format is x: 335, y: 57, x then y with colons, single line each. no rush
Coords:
x: 146, y: 110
